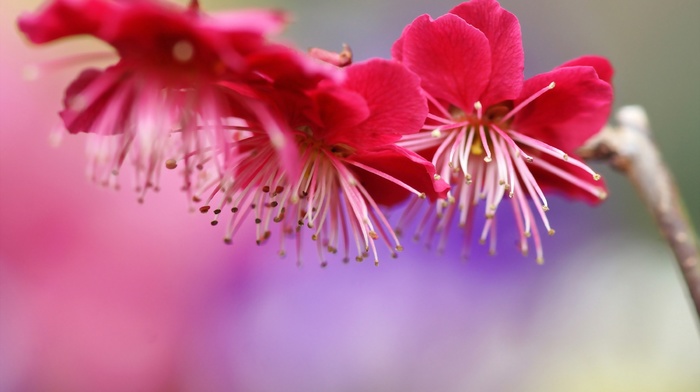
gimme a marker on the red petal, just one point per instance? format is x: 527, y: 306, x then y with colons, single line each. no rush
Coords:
x: 452, y: 58
x: 62, y: 18
x: 290, y: 69
x: 340, y: 111
x: 393, y: 95
x: 566, y: 116
x: 601, y: 64
x: 405, y: 166
x: 502, y: 30
x: 397, y: 48
x: 79, y: 116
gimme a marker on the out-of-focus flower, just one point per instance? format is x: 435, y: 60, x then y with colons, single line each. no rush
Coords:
x: 345, y: 136
x: 491, y: 133
x: 162, y: 102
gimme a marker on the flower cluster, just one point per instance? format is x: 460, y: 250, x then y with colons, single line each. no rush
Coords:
x: 312, y: 145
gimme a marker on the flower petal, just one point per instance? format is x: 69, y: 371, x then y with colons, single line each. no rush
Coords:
x: 50, y: 21
x: 502, y: 30
x: 404, y: 165
x: 94, y: 102
x: 452, y: 58
x: 566, y: 116
x: 393, y: 96
x: 289, y: 69
x: 397, y: 48
x: 340, y: 111
x: 601, y: 64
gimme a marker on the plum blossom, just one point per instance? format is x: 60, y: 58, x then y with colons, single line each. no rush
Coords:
x: 350, y: 166
x: 162, y: 102
x: 491, y: 133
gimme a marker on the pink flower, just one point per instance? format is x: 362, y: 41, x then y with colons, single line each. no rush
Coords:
x: 163, y: 101
x: 345, y: 135
x: 491, y: 133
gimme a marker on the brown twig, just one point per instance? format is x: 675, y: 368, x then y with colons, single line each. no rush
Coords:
x: 629, y: 148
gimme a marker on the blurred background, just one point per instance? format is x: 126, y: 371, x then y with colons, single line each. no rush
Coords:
x: 100, y: 293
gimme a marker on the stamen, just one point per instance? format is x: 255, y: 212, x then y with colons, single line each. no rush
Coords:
x: 594, y: 190
x: 386, y: 177
x: 438, y: 105
x: 553, y: 151
x: 527, y: 102
x: 35, y: 71
x: 443, y: 146
x: 484, y: 144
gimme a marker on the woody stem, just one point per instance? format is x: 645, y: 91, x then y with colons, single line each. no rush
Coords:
x: 630, y: 149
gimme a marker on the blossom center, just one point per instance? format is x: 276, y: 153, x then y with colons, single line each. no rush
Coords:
x: 485, y: 159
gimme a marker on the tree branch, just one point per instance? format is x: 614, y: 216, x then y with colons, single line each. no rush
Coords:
x: 629, y: 148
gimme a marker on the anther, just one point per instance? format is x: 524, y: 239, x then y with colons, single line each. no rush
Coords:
x: 204, y: 209
x: 436, y: 133
x: 170, y: 164
x: 550, y: 231
x: 436, y: 176
x: 596, y: 176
